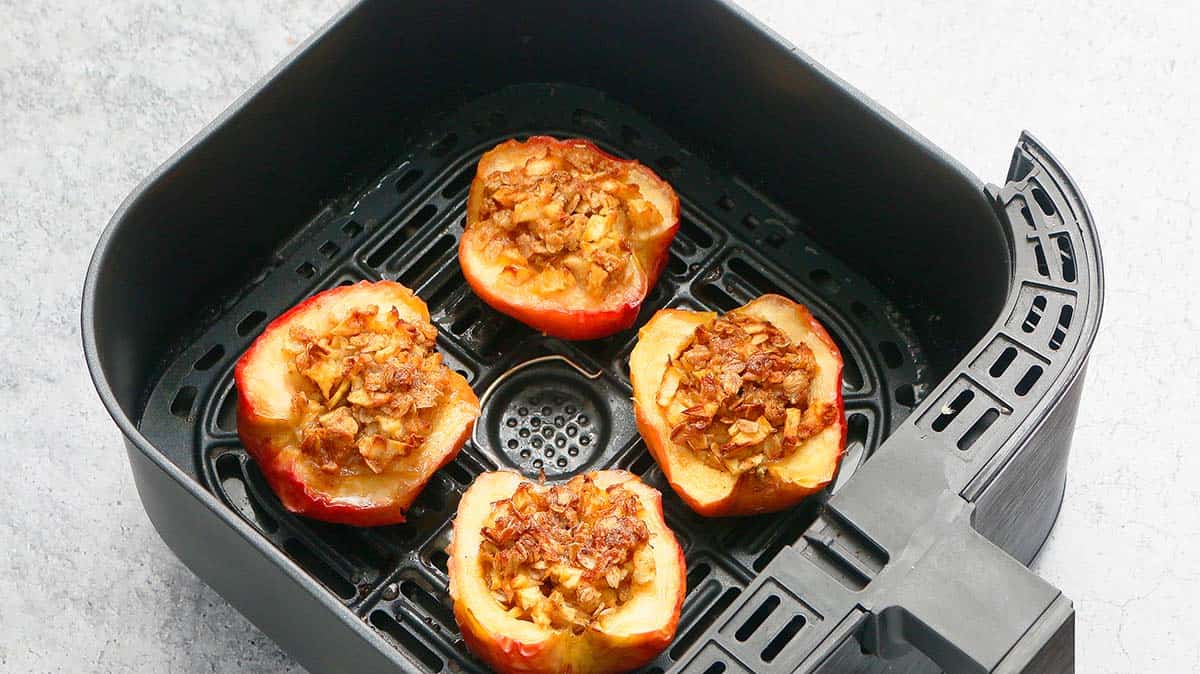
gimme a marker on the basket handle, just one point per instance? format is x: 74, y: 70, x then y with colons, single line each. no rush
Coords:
x: 969, y: 606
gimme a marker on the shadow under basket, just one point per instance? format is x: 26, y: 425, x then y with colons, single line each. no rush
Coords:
x: 964, y: 312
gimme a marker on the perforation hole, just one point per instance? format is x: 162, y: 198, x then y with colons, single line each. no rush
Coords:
x: 978, y: 428
x: 319, y: 569
x: 444, y: 145
x: 1043, y: 201
x: 757, y: 618
x: 393, y: 243
x: 1035, y: 314
x: 1042, y: 267
x: 251, y: 321
x: 1066, y: 256
x: 715, y: 296
x: 950, y: 412
x: 458, y: 472
x: 227, y: 415
x: 209, y: 358
x: 754, y: 277
x: 676, y: 265
x: 352, y: 229
x: 906, y: 395
x: 726, y: 203
x: 701, y: 626
x: 1028, y: 216
x: 460, y: 182
x: 432, y: 606
x: 439, y: 558
x: 407, y: 180
x: 696, y: 575
x: 641, y: 464
x: 446, y: 288
x: 857, y: 427
x: 1005, y: 359
x: 1032, y: 375
x: 229, y: 473
x: 1064, y: 323
x: 181, y: 404
x: 891, y: 354
x: 717, y: 667
x: 823, y: 280
x: 424, y: 264
x: 432, y: 498
x: 388, y: 625
x: 328, y: 249
x: 306, y: 270
x: 790, y: 529
x: 695, y: 234
x: 852, y: 375
x: 781, y: 640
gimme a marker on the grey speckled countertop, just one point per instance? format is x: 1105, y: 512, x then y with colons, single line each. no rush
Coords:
x: 94, y: 95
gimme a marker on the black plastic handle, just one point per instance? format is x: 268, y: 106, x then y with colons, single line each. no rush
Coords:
x: 964, y: 603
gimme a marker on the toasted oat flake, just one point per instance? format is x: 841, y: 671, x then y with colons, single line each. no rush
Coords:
x: 564, y: 220
x: 367, y: 388
x: 565, y: 555
x: 739, y: 394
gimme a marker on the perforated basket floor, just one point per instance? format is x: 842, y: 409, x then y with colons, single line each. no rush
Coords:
x: 548, y: 405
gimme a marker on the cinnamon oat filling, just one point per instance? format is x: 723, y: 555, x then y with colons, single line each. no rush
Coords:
x: 563, y: 556
x: 739, y: 394
x: 368, y: 388
x: 564, y: 219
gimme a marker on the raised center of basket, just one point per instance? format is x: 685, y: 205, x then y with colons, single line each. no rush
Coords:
x: 545, y: 415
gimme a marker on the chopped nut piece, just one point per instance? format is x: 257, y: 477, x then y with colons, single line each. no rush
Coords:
x: 741, y: 388
x: 366, y: 387
x: 562, y: 556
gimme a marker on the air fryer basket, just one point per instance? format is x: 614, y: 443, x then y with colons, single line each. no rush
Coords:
x: 964, y: 313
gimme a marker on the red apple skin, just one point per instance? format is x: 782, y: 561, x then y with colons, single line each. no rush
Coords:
x: 545, y: 316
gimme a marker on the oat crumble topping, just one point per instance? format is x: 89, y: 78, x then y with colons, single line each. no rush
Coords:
x: 564, y: 556
x: 739, y: 394
x: 564, y: 219
x: 368, y: 389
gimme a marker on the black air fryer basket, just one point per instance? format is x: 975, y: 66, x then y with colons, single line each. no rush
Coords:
x: 964, y: 311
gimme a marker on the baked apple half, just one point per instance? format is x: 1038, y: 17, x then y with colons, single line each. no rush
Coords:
x: 346, y: 405
x: 564, y: 237
x: 581, y: 576
x: 743, y: 411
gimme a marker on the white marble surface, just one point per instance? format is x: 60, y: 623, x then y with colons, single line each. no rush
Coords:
x: 94, y: 95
